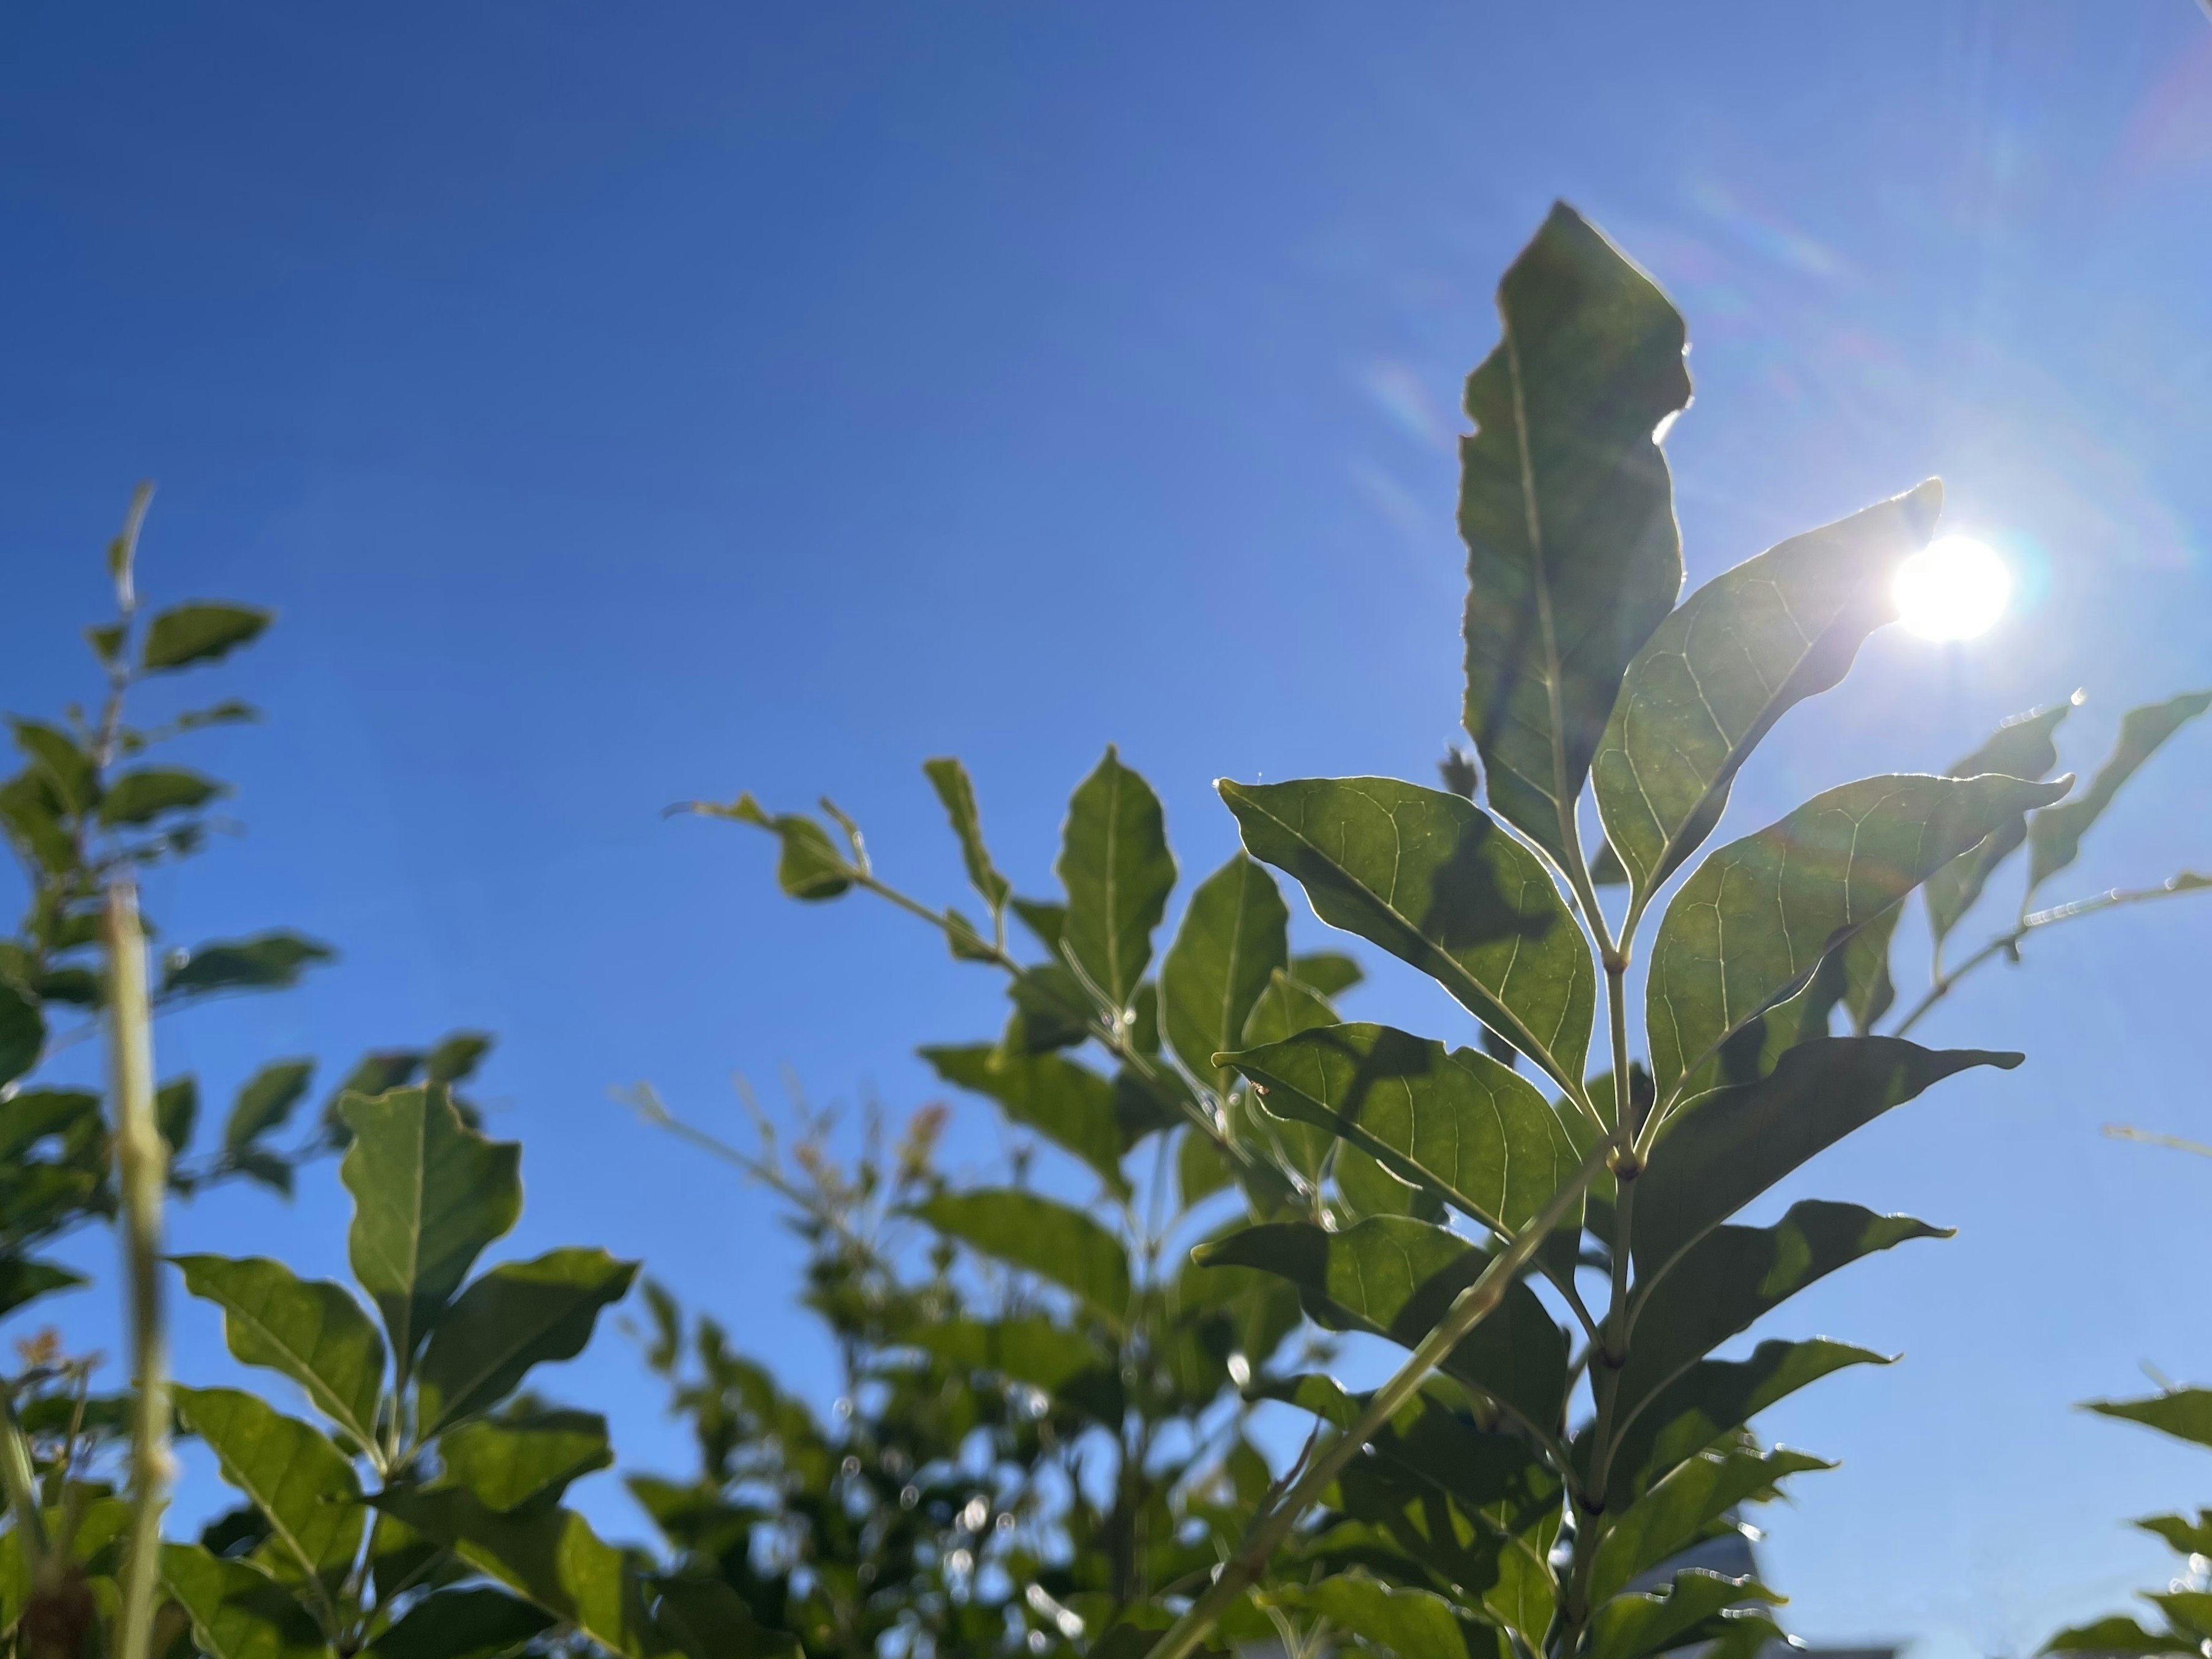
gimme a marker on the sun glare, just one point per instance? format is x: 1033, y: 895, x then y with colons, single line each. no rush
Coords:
x: 1953, y: 589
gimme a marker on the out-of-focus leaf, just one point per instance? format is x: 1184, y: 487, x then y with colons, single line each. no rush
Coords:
x: 1413, y: 1624
x: 1234, y: 936
x: 177, y: 1110
x: 1675, y: 1512
x: 1202, y: 1169
x: 1115, y: 864
x: 950, y: 779
x: 2186, y: 1609
x: 2189, y: 1537
x: 22, y: 1031
x: 707, y: 1620
x: 2054, y: 835
x: 429, y: 1193
x: 60, y: 761
x: 1567, y: 511
x: 808, y: 866
x: 237, y: 1611
x: 1331, y: 973
x: 1396, y: 1277
x: 1062, y: 1362
x: 140, y: 797
x: 1734, y: 1277
x: 1068, y: 1103
x: 202, y: 632
x: 1042, y: 1237
x: 1752, y: 923
x: 266, y: 1102
x: 23, y: 1281
x: 1719, y: 672
x: 268, y: 1168
x: 466, y: 1623
x: 1715, y: 1398
x: 510, y: 1461
x: 1455, y: 1120
x: 1694, y: 1607
x: 296, y: 1477
x: 1050, y: 1011
x: 519, y: 1314
x: 313, y: 1331
x: 267, y: 962
x: 456, y: 1057
x: 1434, y: 881
x: 2185, y: 1414
x: 2118, y: 1634
x: 2020, y: 748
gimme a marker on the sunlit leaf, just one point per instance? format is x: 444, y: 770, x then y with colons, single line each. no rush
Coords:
x: 809, y: 865
x: 519, y: 1314
x: 203, y: 632
x: 2020, y: 748
x: 1234, y: 934
x: 140, y: 797
x: 950, y: 779
x: 2054, y: 835
x: 522, y: 1458
x: 1115, y: 864
x: 2118, y: 1634
x: 302, y: 1483
x: 1676, y: 1512
x: 1567, y: 511
x: 1047, y: 1238
x: 311, y: 1331
x: 1411, y: 1623
x: 1031, y: 1349
x: 1068, y: 1103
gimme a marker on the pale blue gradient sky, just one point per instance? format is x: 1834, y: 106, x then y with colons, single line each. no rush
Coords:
x: 626, y: 403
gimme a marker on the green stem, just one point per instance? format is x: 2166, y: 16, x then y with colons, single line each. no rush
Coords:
x: 19, y: 1476
x: 1473, y: 1305
x: 141, y: 1171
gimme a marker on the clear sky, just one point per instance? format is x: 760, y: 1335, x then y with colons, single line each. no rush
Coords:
x: 623, y: 404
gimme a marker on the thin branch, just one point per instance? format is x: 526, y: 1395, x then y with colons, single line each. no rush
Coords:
x: 2122, y: 1131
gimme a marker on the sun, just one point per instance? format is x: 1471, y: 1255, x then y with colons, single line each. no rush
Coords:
x: 1953, y: 588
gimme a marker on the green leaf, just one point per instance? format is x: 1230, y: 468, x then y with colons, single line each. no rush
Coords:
x: 1202, y: 1169
x: 2020, y: 748
x: 1693, y: 1609
x: 1234, y: 936
x: 313, y: 1332
x: 470, y: 1623
x: 809, y: 865
x: 1734, y: 1277
x: 1397, y: 1277
x: 62, y: 764
x: 1368, y: 1188
x: 1435, y: 882
x: 1828, y: 869
x: 1069, y: 1104
x: 2118, y: 1634
x: 519, y: 1314
x: 1715, y: 1398
x: 1567, y: 511
x: 267, y: 962
x: 1677, y: 1510
x: 1723, y: 1151
x: 1453, y: 1121
x: 1331, y: 973
x: 141, y: 797
x: 2185, y: 1414
x: 430, y: 1193
x: 1029, y: 1348
x: 296, y: 1477
x: 707, y: 1620
x: 1411, y: 1623
x: 2189, y: 1610
x: 950, y: 779
x: 237, y: 1611
x: 1041, y: 1237
x: 22, y: 1031
x: 23, y: 1281
x: 177, y: 1110
x: 456, y: 1057
x: 200, y: 633
x: 2054, y: 835
x: 527, y: 1457
x: 2186, y: 1537
x: 1115, y: 864
x: 266, y: 1102
x: 1741, y: 653
x: 552, y: 1557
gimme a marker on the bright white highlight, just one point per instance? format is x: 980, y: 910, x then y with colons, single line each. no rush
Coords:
x: 1952, y: 589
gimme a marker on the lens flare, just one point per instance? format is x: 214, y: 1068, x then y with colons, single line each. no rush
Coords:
x: 1953, y: 589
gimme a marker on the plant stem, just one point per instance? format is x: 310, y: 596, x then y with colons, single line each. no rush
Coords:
x: 1474, y: 1304
x: 141, y: 1171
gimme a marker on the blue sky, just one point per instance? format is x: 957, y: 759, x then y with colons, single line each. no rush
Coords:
x: 622, y: 405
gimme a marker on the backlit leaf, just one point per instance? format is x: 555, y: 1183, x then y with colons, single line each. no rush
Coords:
x: 2054, y: 835
x: 177, y: 1111
x: 1331, y: 973
x: 1047, y: 1238
x: 266, y: 1101
x: 1567, y: 511
x: 1068, y: 1103
x: 809, y: 865
x: 1432, y: 880
x: 140, y: 797
x: 311, y: 1331
x: 266, y: 961
x: 200, y: 633
x: 950, y: 779
x: 1676, y: 1512
x: 1234, y: 935
x: 1741, y: 653
x: 519, y: 1314
x: 22, y: 1031
x: 1411, y: 1623
x: 23, y: 1281
x: 1693, y: 1608
x: 303, y: 1485
x: 509, y: 1461
x: 2020, y: 748
x: 1115, y: 864
x: 2185, y: 1414
x: 237, y: 1611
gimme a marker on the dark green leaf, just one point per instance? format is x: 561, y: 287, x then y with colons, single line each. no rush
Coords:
x: 237, y: 1611
x: 1069, y: 1104
x: 1368, y: 1188
x: 2188, y: 1610
x: 1064, y: 1363
x: 527, y: 1457
x: 1567, y: 511
x: 313, y: 1331
x: 2118, y: 1634
x: 519, y: 1314
x: 58, y: 759
x: 1434, y: 881
x: 141, y: 797
x: 23, y: 1281
x: 1723, y: 1153
x: 1397, y: 1277
x: 1714, y: 1398
x: 707, y: 1620
x: 2020, y: 748
x: 429, y: 1193
x: 268, y: 1168
x: 1050, y: 1011
x: 1677, y: 1510
x: 462, y: 1623
x: 2185, y: 1414
x: 1828, y: 869
x: 2188, y: 1537
x: 1234, y: 934
x: 2054, y: 835
x: 1455, y: 1120
x: 267, y: 962
x: 266, y: 1102
x: 456, y: 1057
x: 808, y: 866
x: 1693, y: 1609
x: 22, y: 1031
x: 950, y: 779
x: 1047, y: 1238
x: 1329, y: 972
x: 1734, y: 1277
x: 177, y: 1110
x: 1115, y: 865
x: 296, y: 1477
x: 200, y: 633
x: 1741, y: 653
x: 552, y: 1557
